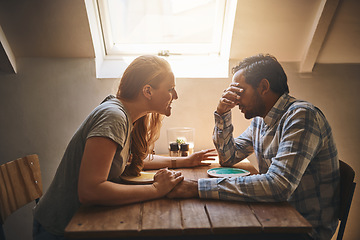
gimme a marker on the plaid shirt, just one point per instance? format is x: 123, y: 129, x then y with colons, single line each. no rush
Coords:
x: 297, y: 159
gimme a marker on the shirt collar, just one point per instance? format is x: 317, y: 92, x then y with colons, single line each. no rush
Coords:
x: 278, y: 109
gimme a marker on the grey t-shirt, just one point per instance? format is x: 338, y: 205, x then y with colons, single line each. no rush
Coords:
x: 61, y: 201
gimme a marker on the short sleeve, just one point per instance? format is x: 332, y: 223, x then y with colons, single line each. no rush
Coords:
x: 110, y: 122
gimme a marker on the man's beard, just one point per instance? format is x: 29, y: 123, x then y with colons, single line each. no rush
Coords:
x: 258, y: 109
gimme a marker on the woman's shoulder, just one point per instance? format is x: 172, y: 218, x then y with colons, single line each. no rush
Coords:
x: 108, y: 119
x: 112, y: 106
x: 108, y: 113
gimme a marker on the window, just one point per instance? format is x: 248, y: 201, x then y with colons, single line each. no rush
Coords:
x: 185, y: 32
x: 164, y: 27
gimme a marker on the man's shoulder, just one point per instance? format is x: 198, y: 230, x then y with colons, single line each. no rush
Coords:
x: 304, y: 107
x: 302, y: 104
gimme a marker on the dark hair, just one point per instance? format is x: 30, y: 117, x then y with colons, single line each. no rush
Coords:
x: 261, y: 66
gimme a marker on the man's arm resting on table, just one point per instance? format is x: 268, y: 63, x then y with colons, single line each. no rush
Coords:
x: 185, y: 189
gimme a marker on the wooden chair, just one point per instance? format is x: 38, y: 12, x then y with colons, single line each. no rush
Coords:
x: 20, y: 184
x: 347, y: 188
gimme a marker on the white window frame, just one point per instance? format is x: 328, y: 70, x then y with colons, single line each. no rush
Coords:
x: 188, y: 49
x: 110, y: 63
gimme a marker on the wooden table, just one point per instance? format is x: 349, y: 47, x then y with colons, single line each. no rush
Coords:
x: 190, y: 218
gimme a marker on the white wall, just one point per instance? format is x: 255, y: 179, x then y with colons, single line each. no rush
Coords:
x: 47, y: 100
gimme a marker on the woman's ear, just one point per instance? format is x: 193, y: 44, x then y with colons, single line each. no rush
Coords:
x: 147, y: 91
x: 264, y: 86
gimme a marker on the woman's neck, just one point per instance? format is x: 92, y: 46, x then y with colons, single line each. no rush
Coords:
x: 135, y: 108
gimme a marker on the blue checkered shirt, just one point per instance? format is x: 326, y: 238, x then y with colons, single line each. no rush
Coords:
x: 297, y: 159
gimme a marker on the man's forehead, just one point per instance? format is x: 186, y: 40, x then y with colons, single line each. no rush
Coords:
x: 239, y: 77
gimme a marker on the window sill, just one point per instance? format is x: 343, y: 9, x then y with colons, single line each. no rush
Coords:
x: 183, y: 67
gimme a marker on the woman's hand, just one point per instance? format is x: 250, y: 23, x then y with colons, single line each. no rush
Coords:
x: 165, y: 180
x: 196, y: 159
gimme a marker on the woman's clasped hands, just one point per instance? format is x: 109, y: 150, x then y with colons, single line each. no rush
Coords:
x: 165, y: 180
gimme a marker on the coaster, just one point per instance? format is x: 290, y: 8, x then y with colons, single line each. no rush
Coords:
x: 145, y: 177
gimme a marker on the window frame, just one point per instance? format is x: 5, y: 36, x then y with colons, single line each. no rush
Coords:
x: 184, y: 66
x: 164, y: 49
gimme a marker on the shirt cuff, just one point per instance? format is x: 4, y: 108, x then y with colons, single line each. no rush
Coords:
x: 222, y: 121
x: 208, y: 188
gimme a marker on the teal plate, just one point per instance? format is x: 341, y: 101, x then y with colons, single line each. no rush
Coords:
x: 227, y: 172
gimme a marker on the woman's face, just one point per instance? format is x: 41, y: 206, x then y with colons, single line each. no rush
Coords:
x: 164, y: 95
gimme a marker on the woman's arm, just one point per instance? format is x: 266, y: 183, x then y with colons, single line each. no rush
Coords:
x: 195, y: 159
x: 94, y: 188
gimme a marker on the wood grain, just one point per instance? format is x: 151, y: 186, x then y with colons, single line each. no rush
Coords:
x: 232, y: 217
x: 280, y: 217
x: 162, y: 215
x: 93, y: 221
x: 194, y: 217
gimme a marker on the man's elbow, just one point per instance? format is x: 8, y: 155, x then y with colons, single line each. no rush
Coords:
x: 225, y: 160
x: 284, y: 192
x: 226, y: 164
x: 283, y: 196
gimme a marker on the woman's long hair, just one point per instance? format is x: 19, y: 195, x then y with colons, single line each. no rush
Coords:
x: 143, y: 70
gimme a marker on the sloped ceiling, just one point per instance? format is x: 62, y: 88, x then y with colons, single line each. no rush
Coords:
x: 306, y: 31
x: 42, y: 28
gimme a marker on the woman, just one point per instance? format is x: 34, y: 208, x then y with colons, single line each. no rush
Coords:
x: 115, y: 139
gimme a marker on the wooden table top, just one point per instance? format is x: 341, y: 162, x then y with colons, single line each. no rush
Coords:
x: 184, y: 217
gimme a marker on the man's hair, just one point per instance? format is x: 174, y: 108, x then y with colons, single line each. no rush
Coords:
x: 261, y: 66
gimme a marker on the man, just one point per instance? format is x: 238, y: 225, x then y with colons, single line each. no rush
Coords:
x: 292, y: 140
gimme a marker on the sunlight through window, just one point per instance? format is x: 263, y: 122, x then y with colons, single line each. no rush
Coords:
x: 163, y: 27
x: 193, y: 35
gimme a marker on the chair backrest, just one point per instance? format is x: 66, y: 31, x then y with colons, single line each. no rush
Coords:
x: 20, y: 183
x: 347, y: 188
